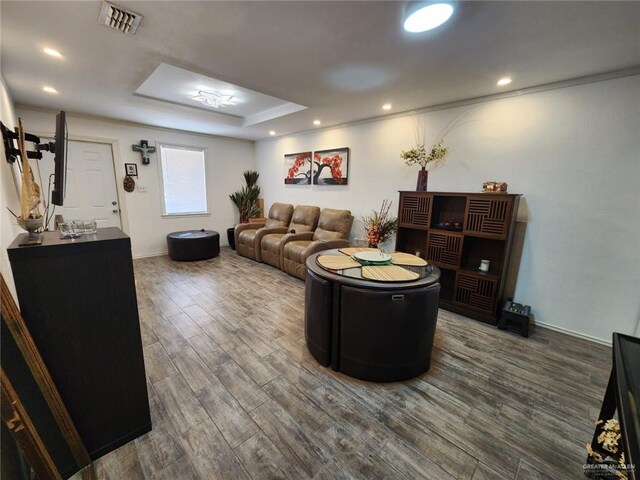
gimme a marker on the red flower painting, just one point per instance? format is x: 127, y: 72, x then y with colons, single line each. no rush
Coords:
x: 330, y: 167
x: 297, y: 168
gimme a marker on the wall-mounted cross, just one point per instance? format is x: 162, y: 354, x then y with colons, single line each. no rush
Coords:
x: 144, y: 150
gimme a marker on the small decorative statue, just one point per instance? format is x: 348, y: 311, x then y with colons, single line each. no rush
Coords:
x: 144, y: 150
x: 494, y: 187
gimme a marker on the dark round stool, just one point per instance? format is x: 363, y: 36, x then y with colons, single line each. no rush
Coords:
x: 193, y: 245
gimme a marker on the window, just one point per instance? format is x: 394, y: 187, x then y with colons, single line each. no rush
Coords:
x: 183, y: 180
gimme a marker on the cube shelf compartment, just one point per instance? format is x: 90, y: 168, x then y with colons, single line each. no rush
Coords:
x: 485, y: 230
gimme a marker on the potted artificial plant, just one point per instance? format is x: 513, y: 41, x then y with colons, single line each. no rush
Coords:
x: 246, y: 199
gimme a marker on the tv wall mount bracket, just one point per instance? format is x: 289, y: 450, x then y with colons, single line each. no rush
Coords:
x: 12, y: 153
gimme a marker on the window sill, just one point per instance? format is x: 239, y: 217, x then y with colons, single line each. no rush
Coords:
x: 184, y: 215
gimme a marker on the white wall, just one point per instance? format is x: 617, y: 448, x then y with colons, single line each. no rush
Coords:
x: 9, y: 195
x: 574, y: 154
x: 142, y: 219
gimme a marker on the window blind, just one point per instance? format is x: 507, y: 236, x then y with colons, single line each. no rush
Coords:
x: 183, y: 179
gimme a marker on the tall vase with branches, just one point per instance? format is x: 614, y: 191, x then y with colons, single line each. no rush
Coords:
x: 426, y: 156
x: 246, y: 199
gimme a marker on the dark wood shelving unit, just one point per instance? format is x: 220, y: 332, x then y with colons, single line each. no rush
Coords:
x: 488, y: 221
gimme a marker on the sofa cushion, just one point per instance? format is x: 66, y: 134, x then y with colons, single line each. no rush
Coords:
x: 304, y: 219
x: 247, y: 236
x: 279, y: 215
x: 333, y: 225
x: 294, y: 268
x: 271, y: 241
x: 294, y: 250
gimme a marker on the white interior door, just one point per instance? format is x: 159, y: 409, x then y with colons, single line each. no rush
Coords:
x: 91, y: 184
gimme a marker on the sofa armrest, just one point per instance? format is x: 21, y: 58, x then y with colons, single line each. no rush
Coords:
x: 275, y: 230
x: 261, y: 232
x: 283, y: 241
x: 300, y: 236
x: 245, y: 226
x: 321, y: 245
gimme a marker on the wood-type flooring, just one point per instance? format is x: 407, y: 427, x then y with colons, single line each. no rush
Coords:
x: 235, y: 394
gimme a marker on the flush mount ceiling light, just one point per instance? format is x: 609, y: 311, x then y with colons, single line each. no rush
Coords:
x: 427, y: 16
x: 52, y: 52
x: 504, y: 81
x: 272, y: 132
x: 386, y: 106
x: 49, y: 89
x: 317, y: 122
x: 214, y: 99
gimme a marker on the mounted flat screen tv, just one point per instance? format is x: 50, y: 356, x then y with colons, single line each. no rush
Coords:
x: 60, y: 160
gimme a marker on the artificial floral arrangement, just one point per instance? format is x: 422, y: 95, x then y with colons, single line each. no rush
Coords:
x: 420, y: 155
x: 246, y: 199
x: 380, y: 226
x: 610, y: 454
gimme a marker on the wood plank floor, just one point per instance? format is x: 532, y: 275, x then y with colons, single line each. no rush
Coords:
x: 234, y: 393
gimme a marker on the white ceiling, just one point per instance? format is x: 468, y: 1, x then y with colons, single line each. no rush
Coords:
x: 342, y: 60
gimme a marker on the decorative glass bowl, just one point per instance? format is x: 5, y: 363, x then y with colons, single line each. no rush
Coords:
x: 75, y: 228
x: 86, y: 227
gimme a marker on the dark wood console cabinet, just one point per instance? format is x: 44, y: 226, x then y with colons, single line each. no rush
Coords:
x: 78, y: 299
x: 487, y: 222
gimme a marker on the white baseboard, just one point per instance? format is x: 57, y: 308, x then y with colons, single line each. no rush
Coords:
x: 147, y: 255
x: 572, y: 333
x: 160, y: 254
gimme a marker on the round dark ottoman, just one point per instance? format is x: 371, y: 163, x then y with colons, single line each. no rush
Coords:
x: 193, y: 245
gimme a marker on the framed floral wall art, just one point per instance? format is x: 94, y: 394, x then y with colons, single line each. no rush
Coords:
x: 297, y: 168
x: 331, y: 167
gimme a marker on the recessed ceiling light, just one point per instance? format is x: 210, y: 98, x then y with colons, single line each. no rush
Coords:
x: 386, y: 106
x: 49, y: 89
x: 53, y: 52
x: 427, y: 17
x: 272, y: 132
x: 317, y: 122
x: 504, y: 81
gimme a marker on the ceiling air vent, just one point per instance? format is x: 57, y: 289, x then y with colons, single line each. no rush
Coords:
x: 118, y: 18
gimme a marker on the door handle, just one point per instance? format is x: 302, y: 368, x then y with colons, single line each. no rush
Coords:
x: 116, y: 211
x: 114, y: 203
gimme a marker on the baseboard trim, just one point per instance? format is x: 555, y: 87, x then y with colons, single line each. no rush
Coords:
x: 160, y: 254
x: 572, y: 333
x: 148, y: 255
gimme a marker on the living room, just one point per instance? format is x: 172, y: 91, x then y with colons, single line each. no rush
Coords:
x: 541, y: 96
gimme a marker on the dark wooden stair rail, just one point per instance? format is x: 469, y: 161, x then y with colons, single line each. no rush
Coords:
x: 25, y: 434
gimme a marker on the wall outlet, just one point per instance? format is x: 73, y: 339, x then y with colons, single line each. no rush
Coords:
x: 141, y: 188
